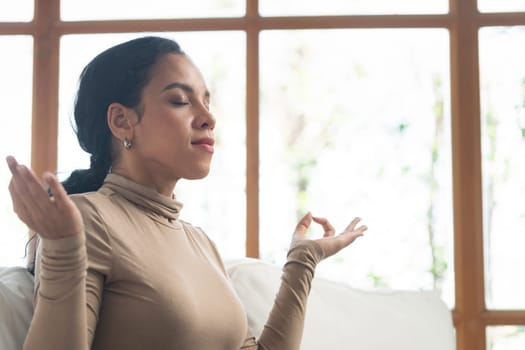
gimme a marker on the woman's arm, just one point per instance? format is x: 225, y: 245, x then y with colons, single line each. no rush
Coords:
x: 68, y: 291
x: 59, y: 319
x: 284, y: 328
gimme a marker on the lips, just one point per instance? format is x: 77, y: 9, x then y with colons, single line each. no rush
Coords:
x: 204, y: 141
x: 205, y: 144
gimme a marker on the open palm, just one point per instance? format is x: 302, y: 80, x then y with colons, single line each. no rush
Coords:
x: 52, y: 217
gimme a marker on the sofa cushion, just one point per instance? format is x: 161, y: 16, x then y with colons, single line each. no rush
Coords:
x: 340, y: 317
x: 16, y: 306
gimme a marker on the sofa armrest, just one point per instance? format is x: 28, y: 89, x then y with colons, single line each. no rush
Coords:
x: 16, y: 306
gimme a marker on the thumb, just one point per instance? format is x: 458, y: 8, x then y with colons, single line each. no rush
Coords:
x: 303, y: 225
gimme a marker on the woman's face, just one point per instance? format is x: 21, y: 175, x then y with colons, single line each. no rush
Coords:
x: 174, y: 137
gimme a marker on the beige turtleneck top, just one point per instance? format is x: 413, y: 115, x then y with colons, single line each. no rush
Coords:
x: 140, y: 278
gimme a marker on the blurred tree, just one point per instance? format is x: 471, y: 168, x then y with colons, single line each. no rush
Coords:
x: 439, y: 264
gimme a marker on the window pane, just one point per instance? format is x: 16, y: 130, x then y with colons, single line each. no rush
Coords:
x: 350, y: 7
x: 15, y: 136
x: 217, y: 203
x: 72, y: 10
x: 16, y: 11
x: 501, y: 5
x: 506, y: 338
x: 503, y: 145
x: 360, y: 130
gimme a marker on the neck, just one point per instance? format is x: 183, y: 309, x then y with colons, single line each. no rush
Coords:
x: 147, y: 177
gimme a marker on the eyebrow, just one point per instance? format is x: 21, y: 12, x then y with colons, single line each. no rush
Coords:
x: 184, y: 87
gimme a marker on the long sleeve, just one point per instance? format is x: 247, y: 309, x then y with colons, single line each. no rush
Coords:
x: 68, y: 286
x: 59, y: 320
x: 284, y: 328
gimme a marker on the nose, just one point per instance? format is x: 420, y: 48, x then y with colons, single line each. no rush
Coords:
x: 204, y: 118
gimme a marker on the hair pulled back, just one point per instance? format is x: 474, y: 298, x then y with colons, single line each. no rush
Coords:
x: 118, y: 74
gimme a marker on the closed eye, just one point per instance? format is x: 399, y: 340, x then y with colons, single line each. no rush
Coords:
x: 179, y: 103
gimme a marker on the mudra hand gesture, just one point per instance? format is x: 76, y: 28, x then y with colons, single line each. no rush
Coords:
x: 330, y: 243
x: 51, y: 217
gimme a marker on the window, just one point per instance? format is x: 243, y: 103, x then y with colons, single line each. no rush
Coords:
x: 15, y: 136
x: 72, y: 10
x: 19, y: 11
x: 503, y: 147
x: 338, y: 136
x: 350, y: 7
x: 407, y: 113
x: 501, y: 5
x: 505, y: 338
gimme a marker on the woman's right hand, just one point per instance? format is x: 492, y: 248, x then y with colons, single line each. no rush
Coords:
x: 330, y: 243
x: 52, y: 217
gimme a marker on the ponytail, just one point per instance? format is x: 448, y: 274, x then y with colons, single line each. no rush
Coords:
x: 88, y: 180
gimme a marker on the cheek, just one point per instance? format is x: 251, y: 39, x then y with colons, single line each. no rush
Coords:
x: 169, y: 138
x: 164, y: 130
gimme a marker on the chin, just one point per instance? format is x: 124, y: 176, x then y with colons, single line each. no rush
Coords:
x: 198, y: 174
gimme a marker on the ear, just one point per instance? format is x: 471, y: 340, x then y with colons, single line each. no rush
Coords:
x: 121, y: 121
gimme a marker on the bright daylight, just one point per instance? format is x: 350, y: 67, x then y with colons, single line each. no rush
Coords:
x: 360, y: 120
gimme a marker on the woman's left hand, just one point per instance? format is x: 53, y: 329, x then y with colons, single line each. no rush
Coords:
x: 330, y: 243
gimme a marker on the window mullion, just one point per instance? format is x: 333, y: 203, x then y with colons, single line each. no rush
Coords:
x: 252, y: 141
x: 466, y: 160
x: 45, y: 87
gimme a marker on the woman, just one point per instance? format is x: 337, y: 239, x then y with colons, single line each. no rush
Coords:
x: 116, y: 267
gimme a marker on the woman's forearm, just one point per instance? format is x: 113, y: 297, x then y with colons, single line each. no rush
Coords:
x: 59, y: 320
x: 284, y: 328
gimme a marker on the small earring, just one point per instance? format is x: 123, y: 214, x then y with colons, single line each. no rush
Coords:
x: 127, y: 143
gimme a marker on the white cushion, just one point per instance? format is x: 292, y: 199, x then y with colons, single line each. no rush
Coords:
x: 16, y: 306
x: 340, y: 317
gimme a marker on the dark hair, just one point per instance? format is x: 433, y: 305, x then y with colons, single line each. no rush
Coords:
x: 118, y: 74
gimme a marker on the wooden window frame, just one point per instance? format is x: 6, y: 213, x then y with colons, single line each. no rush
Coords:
x: 463, y: 21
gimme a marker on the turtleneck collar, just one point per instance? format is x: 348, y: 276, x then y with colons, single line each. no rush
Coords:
x: 143, y: 196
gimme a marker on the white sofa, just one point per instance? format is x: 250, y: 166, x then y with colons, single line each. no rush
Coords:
x: 338, y: 317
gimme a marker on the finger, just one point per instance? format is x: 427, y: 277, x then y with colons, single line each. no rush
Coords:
x: 15, y: 197
x: 352, y: 225
x: 329, y: 230
x: 11, y: 163
x: 361, y: 229
x: 350, y: 236
x: 35, y: 188
x: 19, y: 207
x: 303, y: 225
x: 57, y: 190
x: 35, y: 203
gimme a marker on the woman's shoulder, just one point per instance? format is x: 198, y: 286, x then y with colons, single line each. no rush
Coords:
x: 194, y: 230
x: 95, y: 207
x: 86, y: 196
x: 93, y: 200
x: 205, y: 242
